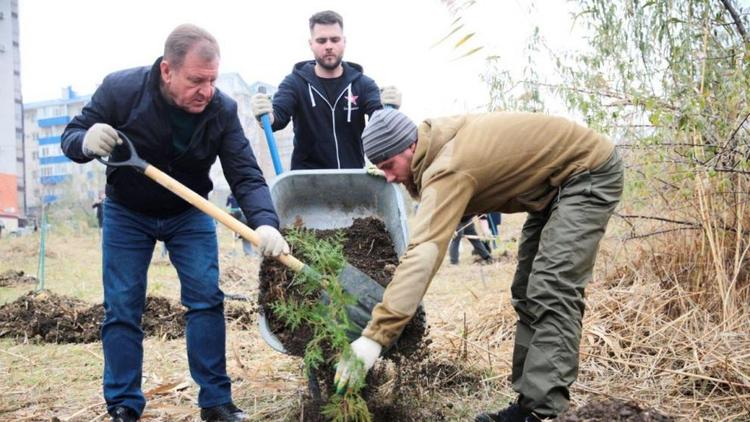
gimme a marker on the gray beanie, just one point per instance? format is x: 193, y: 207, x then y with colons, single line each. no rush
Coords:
x: 388, y: 133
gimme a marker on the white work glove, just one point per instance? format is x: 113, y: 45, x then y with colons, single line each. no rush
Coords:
x: 100, y: 140
x: 373, y: 170
x: 261, y: 104
x: 272, y: 243
x: 354, y: 368
x: 390, y: 96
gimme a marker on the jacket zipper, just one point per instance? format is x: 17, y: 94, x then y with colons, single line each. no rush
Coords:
x: 333, y: 120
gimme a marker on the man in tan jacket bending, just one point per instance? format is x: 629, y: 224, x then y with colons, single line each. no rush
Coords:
x: 566, y: 177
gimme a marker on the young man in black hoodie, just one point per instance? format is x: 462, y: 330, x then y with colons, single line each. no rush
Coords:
x: 328, y: 100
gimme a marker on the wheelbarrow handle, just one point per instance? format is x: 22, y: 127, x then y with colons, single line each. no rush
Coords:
x: 198, y: 201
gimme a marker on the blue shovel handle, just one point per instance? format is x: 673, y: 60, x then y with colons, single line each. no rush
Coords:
x: 266, y: 121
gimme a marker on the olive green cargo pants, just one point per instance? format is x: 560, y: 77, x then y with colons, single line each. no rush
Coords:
x: 555, y: 260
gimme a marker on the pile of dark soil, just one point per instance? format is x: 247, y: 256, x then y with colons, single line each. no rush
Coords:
x: 391, y: 393
x: 13, y: 277
x: 612, y: 410
x: 50, y: 318
x: 366, y: 247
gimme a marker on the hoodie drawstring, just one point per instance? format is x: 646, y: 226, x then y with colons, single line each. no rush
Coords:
x: 349, y: 103
x: 312, y: 98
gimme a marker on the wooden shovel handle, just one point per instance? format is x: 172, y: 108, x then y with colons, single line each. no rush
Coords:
x: 220, y: 215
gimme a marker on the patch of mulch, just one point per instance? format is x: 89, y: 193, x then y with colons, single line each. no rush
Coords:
x: 13, y: 277
x: 50, y: 318
x: 392, y: 394
x: 612, y: 410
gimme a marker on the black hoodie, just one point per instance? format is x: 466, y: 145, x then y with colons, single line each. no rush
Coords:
x: 317, y: 145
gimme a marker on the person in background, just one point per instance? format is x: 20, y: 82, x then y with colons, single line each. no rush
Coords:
x: 491, y: 221
x: 328, y: 99
x: 566, y: 177
x: 98, y: 206
x: 178, y: 122
x: 466, y: 227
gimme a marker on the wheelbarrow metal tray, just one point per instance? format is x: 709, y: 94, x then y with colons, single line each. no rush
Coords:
x: 331, y: 199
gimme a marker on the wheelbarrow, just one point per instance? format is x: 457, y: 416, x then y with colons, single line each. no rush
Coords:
x: 332, y: 199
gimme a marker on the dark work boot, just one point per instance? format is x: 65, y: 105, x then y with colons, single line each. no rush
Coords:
x: 512, y: 413
x: 123, y: 414
x: 224, y: 413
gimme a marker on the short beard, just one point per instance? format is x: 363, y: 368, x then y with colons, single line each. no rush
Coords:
x: 411, y: 187
x: 328, y: 66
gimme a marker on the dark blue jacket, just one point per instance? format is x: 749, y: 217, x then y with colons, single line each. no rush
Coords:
x: 130, y: 101
x: 326, y: 135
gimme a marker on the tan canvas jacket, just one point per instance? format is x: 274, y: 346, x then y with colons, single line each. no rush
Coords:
x: 470, y: 164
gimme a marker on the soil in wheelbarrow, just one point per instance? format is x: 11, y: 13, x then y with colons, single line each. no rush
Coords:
x: 390, y: 392
x: 367, y: 247
x: 45, y: 317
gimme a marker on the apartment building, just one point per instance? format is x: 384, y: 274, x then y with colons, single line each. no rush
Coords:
x: 52, y: 175
x: 12, y: 177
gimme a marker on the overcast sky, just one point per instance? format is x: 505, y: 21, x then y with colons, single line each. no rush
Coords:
x: 77, y: 42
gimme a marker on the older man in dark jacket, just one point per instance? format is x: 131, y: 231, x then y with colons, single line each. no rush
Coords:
x: 179, y: 123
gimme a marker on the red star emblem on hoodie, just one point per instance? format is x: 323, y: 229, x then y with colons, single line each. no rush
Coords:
x: 352, y: 99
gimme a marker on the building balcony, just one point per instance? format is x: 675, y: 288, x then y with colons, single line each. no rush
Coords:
x: 53, y: 121
x: 49, y: 140
x: 55, y: 159
x: 53, y: 180
x: 48, y: 199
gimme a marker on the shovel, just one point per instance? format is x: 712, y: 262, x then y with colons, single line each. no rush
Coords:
x: 363, y: 288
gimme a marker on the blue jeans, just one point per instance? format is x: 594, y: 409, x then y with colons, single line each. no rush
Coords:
x: 128, y: 244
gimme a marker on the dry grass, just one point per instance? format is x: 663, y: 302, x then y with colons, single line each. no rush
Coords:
x: 645, y: 339
x: 45, y: 381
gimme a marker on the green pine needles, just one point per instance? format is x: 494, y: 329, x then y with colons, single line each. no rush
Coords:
x: 322, y: 307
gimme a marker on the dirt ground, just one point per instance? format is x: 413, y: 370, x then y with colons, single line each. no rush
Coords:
x: 467, y: 371
x: 46, y: 317
x: 612, y: 410
x: 13, y: 277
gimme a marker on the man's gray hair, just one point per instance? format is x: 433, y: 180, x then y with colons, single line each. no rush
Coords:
x: 326, y: 17
x: 185, y: 37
